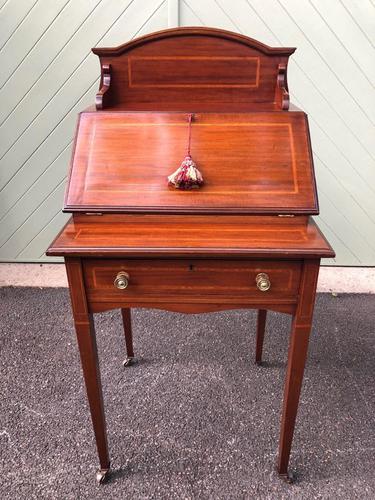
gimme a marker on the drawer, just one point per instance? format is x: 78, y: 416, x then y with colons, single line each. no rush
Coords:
x: 193, y: 280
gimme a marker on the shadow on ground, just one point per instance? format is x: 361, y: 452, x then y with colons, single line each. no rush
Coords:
x: 196, y: 418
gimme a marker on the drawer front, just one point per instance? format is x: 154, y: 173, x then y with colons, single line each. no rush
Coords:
x: 191, y: 281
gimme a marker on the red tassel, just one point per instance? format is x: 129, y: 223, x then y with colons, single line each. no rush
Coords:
x: 187, y: 176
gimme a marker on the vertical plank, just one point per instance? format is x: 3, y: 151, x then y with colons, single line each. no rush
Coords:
x: 173, y: 13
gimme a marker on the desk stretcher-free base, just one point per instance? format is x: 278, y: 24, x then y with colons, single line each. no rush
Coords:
x: 302, y: 311
x: 244, y: 240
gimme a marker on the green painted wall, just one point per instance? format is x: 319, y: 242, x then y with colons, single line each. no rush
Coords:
x: 49, y: 74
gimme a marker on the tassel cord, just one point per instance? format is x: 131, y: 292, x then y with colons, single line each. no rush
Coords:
x: 187, y: 176
x: 189, y: 135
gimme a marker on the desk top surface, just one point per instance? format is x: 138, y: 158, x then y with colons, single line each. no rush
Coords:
x: 225, y: 236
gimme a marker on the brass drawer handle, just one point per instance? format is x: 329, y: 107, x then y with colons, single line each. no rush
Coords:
x: 263, y: 282
x: 122, y: 280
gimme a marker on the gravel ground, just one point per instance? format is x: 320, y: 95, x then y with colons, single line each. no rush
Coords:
x: 195, y: 418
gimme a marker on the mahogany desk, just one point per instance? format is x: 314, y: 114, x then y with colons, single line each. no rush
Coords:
x: 245, y: 239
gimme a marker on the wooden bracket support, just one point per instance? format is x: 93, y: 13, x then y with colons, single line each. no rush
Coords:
x: 282, y: 94
x: 102, y: 98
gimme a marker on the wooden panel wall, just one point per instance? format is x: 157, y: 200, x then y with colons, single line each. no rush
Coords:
x: 48, y: 75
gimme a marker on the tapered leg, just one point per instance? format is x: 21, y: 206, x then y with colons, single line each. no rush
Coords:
x: 126, y: 319
x: 298, y: 346
x: 85, y: 331
x: 261, y: 325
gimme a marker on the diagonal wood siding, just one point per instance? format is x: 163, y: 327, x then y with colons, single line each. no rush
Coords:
x: 49, y: 74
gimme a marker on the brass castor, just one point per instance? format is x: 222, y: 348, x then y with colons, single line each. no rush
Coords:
x: 128, y: 361
x: 287, y: 477
x: 102, y: 475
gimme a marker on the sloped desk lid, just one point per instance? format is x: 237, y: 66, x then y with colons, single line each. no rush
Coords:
x: 251, y: 163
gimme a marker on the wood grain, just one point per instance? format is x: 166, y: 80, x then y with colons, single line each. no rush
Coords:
x: 261, y: 326
x: 197, y: 251
x: 193, y: 281
x: 298, y: 346
x: 224, y: 236
x: 86, y: 338
x: 251, y: 163
x: 194, y: 307
x: 127, y: 323
x: 195, y: 68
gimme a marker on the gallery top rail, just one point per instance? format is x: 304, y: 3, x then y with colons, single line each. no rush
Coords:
x: 193, y: 69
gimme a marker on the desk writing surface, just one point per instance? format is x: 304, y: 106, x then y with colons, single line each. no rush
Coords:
x: 251, y: 163
x: 224, y: 236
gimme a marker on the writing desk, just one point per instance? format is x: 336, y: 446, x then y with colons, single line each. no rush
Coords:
x: 245, y: 239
